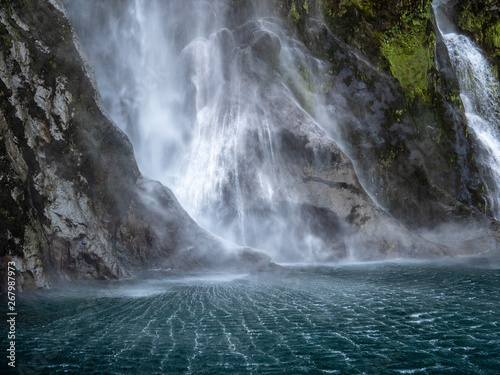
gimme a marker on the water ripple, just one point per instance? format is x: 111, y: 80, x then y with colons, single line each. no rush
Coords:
x: 386, y: 319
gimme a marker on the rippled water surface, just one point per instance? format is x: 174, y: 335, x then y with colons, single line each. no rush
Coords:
x: 412, y: 318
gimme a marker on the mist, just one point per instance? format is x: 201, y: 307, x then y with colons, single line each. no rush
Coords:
x: 197, y: 93
x: 224, y: 106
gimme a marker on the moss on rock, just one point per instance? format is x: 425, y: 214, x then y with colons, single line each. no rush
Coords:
x: 420, y: 125
x: 409, y: 49
x: 396, y: 35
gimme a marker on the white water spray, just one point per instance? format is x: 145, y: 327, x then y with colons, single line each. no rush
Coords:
x: 186, y: 80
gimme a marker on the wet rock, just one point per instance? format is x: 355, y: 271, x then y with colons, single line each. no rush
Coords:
x: 266, y: 46
x: 74, y: 205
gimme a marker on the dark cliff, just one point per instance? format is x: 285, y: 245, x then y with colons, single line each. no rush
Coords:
x: 74, y: 204
x: 401, y: 116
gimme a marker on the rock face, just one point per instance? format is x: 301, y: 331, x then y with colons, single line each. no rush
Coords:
x: 394, y: 101
x: 74, y: 205
x: 327, y: 210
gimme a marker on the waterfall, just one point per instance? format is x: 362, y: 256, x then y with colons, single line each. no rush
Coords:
x: 479, y: 91
x: 181, y: 79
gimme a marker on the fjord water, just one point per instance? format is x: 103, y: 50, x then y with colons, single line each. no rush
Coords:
x: 380, y: 318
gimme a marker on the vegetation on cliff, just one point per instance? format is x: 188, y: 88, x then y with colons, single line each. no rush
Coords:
x: 424, y: 131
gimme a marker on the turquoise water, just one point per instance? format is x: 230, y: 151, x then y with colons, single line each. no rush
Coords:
x: 383, y: 318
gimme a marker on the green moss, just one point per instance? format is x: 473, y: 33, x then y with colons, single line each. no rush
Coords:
x: 396, y: 35
x: 294, y: 14
x: 469, y: 20
x: 393, y: 115
x: 408, y: 65
x: 389, y: 155
x: 492, y: 37
x: 345, y: 4
x: 409, y: 50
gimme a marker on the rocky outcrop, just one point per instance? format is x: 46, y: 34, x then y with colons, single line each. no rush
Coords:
x: 73, y: 203
x: 393, y: 101
x: 315, y: 190
x: 324, y: 177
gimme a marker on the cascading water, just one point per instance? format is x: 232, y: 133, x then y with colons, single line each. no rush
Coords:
x: 181, y: 79
x: 481, y: 98
x: 208, y: 104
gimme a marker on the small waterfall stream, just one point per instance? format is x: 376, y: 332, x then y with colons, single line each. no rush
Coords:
x: 481, y: 98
